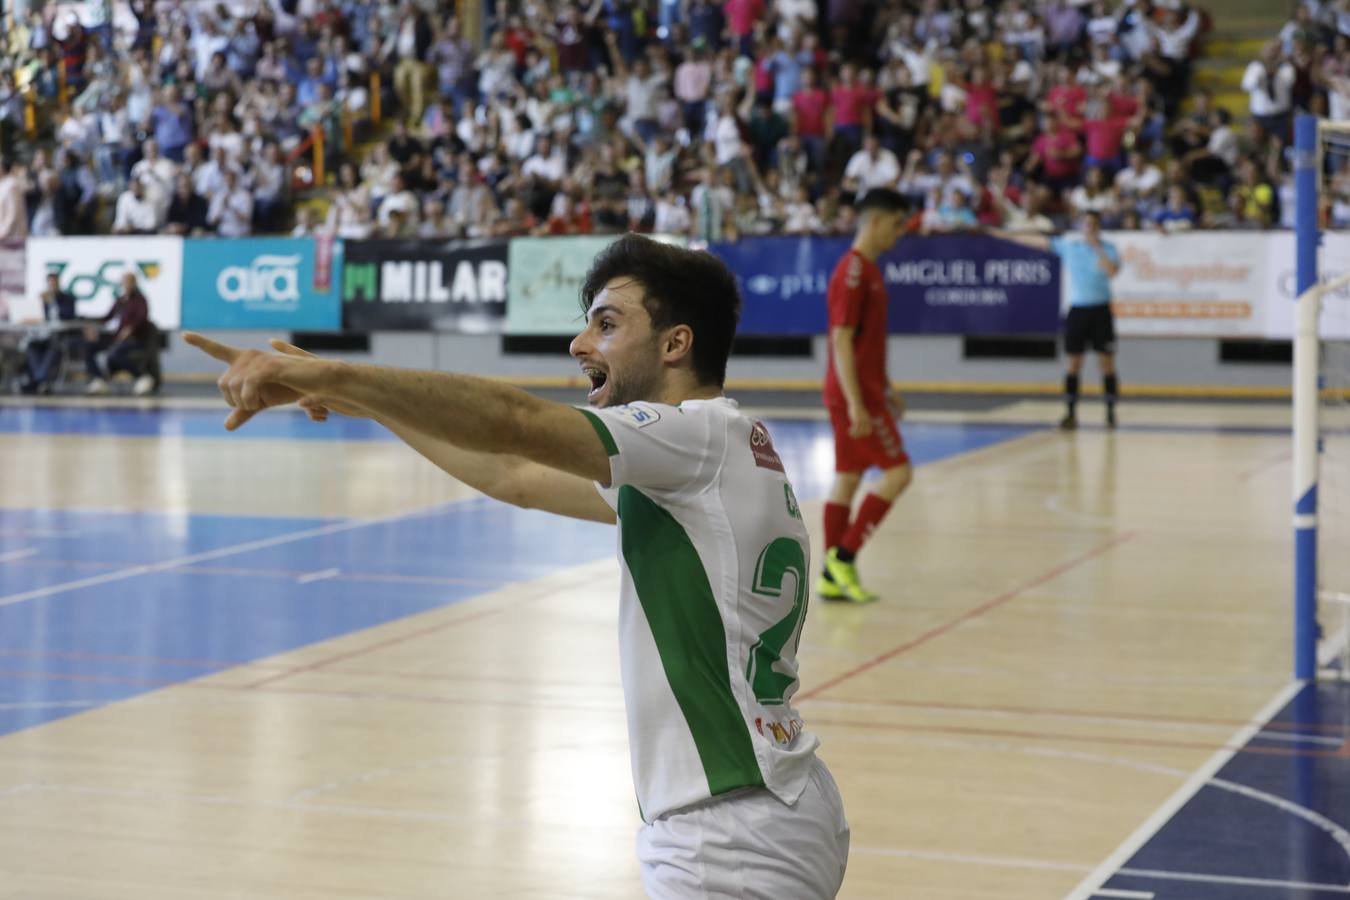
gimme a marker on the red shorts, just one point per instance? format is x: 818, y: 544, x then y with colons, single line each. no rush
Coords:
x: 883, y: 448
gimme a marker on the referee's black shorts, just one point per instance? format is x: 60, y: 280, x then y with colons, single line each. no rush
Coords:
x: 1090, y: 327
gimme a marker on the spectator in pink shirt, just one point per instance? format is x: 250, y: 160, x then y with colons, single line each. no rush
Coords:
x: 981, y: 98
x: 852, y: 102
x: 1066, y: 97
x: 741, y: 16
x: 1058, y: 155
x: 812, y: 119
x: 693, y: 77
x: 1104, y: 131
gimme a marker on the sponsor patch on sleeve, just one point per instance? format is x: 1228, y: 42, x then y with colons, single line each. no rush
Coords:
x: 640, y: 414
x: 761, y: 445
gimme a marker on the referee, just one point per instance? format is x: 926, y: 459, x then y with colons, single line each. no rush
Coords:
x: 1091, y: 264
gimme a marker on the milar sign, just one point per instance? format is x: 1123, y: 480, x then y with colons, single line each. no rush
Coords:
x: 417, y: 285
x: 427, y: 281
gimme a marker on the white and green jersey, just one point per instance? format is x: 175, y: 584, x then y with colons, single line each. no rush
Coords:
x: 714, y: 557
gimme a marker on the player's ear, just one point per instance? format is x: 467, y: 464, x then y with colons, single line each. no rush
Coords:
x: 678, y: 343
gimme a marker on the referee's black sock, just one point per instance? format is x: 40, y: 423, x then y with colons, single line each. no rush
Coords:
x: 1071, y: 392
x: 1112, y: 385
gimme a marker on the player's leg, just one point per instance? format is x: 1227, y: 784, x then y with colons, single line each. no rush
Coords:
x: 838, y: 511
x: 1104, y: 342
x: 1071, y: 377
x: 886, y: 450
x: 874, y: 508
x: 1076, y: 328
x: 849, y: 464
x: 1110, y: 385
x: 839, y: 505
x: 750, y: 846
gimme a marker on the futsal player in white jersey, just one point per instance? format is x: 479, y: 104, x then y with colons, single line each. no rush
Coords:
x: 713, y: 553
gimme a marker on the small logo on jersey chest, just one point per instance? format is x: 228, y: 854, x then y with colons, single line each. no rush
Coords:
x: 761, y: 445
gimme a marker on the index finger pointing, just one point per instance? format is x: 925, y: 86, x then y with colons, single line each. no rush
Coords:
x: 223, y: 352
x: 289, y: 349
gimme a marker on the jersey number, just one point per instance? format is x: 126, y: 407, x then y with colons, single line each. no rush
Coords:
x: 781, y: 558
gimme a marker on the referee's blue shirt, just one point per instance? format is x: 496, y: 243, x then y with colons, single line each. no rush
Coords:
x: 1089, y: 285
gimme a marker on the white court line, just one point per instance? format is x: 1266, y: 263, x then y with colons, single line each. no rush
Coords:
x: 12, y: 555
x: 968, y: 859
x: 1295, y: 737
x: 1311, y: 816
x: 1125, y: 895
x: 1045, y: 865
x: 1192, y: 785
x: 1333, y: 829
x: 1234, y: 879
x: 323, y: 574
x: 262, y: 543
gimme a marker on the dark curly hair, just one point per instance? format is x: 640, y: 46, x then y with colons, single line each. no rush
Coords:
x: 679, y: 287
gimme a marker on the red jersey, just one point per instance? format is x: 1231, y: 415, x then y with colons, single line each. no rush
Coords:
x: 857, y: 299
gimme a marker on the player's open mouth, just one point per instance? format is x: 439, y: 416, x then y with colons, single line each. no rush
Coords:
x: 598, y: 379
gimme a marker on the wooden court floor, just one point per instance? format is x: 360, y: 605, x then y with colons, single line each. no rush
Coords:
x: 274, y: 666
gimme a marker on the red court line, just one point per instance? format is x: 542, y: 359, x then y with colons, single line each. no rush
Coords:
x: 118, y: 657
x: 968, y: 615
x: 441, y: 700
x: 1311, y: 728
x: 99, y: 679
x: 379, y: 645
x: 485, y: 679
x: 1078, y: 738
x: 551, y: 703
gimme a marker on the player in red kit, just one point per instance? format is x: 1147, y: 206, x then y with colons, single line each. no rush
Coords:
x: 863, y: 408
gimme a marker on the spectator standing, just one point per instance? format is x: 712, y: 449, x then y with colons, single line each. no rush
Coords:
x: 172, y: 122
x: 408, y: 47
x: 1269, y: 83
x: 231, y: 208
x: 13, y: 202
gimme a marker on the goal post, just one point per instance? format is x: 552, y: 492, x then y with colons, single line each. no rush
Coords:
x: 1313, y: 283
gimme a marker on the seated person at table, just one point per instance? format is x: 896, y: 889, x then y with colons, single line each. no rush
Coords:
x: 126, y: 343
x: 43, y: 353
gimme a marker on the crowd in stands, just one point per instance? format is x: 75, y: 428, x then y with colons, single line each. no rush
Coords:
x: 713, y: 119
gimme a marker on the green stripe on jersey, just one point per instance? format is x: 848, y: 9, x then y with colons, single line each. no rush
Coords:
x: 601, y: 429
x: 678, y: 601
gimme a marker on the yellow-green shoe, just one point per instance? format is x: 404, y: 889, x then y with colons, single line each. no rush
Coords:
x: 845, y: 577
x: 827, y: 589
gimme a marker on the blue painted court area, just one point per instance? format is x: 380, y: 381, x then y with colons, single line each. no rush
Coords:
x: 97, y: 607
x: 1270, y: 825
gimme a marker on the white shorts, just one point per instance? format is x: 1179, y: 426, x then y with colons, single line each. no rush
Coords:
x: 749, y: 846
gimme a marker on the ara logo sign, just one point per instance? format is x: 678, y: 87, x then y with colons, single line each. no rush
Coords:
x: 267, y: 279
x: 271, y: 283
